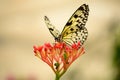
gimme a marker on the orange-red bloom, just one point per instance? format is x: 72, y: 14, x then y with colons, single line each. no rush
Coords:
x: 59, y: 56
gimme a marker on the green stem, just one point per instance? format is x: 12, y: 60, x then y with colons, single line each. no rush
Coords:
x: 57, y: 77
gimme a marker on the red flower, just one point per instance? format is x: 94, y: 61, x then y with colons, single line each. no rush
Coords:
x: 59, y: 56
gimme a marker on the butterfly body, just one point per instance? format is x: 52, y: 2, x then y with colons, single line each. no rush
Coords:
x: 58, y: 39
x: 74, y: 30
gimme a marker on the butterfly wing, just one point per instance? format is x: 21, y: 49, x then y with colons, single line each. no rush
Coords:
x: 74, y: 30
x: 51, y: 28
x: 75, y: 37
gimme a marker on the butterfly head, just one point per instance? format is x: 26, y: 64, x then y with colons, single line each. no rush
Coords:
x: 58, y: 39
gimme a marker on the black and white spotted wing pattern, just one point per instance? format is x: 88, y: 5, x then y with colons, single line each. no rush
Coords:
x: 74, y: 30
x: 51, y: 28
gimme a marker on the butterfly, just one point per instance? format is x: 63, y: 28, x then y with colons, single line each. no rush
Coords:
x: 74, y: 30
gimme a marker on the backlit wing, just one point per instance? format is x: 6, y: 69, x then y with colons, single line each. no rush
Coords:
x: 51, y: 28
x: 75, y: 30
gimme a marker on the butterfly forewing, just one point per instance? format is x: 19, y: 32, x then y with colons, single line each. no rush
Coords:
x: 51, y: 28
x: 74, y: 30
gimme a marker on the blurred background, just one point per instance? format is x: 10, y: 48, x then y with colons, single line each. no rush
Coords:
x: 22, y: 26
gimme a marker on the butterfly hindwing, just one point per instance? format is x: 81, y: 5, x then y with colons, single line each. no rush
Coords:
x: 74, y: 30
x: 75, y: 37
x: 51, y: 28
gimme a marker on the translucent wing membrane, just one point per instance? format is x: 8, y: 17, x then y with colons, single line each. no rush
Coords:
x: 75, y: 37
x: 51, y: 28
x: 74, y: 30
